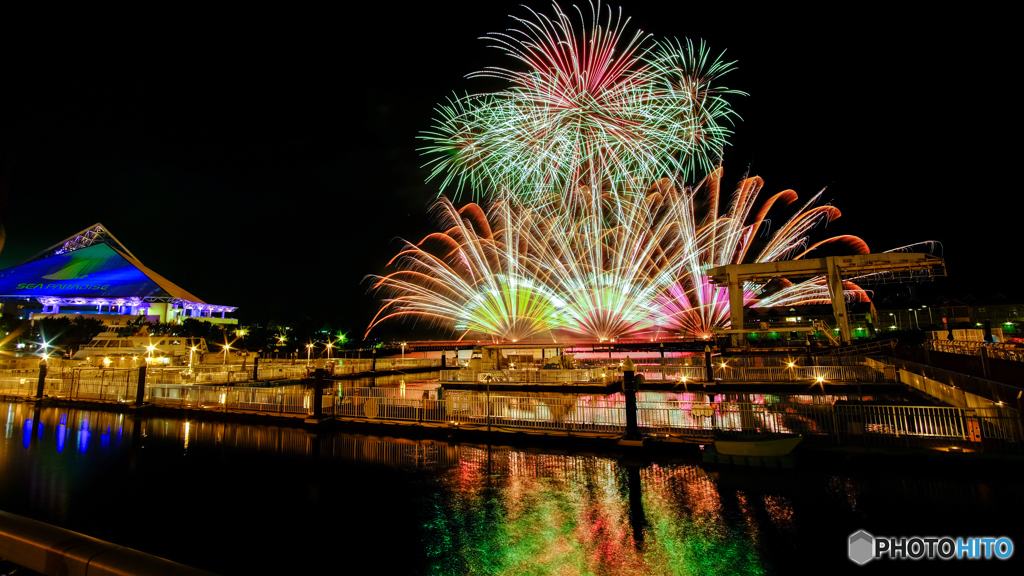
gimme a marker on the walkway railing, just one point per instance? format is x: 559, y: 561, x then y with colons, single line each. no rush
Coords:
x: 838, y: 373
x: 225, y: 398
x: 522, y: 376
x: 576, y: 414
x: 25, y: 382
x: 994, y: 391
x: 813, y: 373
x: 354, y: 366
x: 844, y: 423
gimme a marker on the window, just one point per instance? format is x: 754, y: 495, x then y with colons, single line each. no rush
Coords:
x: 113, y: 344
x: 126, y: 343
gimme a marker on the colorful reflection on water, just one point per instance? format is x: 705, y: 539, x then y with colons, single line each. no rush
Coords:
x: 509, y: 512
x: 455, y: 508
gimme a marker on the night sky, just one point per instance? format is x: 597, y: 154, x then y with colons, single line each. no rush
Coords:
x: 268, y: 160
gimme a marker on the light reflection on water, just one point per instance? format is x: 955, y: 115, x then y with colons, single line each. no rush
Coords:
x: 509, y: 512
x: 472, y: 508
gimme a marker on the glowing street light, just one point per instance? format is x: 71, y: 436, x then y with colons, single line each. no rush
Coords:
x: 226, y: 348
x: 149, y: 352
x: 329, y: 346
x: 309, y: 352
x: 403, y: 350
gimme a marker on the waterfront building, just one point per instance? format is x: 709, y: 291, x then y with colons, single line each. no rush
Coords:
x: 863, y: 318
x: 92, y: 274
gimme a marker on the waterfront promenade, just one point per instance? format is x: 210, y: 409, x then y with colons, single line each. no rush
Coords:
x: 690, y: 412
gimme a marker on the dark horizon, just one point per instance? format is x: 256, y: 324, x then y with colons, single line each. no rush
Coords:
x: 268, y: 162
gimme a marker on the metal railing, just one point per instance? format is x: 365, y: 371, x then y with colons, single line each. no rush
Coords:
x: 844, y: 423
x: 54, y: 551
x: 225, y: 398
x: 100, y: 384
x: 25, y: 382
x: 994, y: 391
x: 521, y: 376
x: 813, y: 373
x: 731, y: 373
x: 582, y: 414
x: 1001, y: 351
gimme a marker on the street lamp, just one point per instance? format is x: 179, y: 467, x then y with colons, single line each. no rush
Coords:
x: 309, y: 352
x: 915, y: 318
x: 329, y: 346
x: 930, y: 321
x: 896, y: 319
x: 226, y: 348
x: 403, y: 351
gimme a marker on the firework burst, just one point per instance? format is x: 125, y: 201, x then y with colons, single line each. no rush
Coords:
x: 599, y: 264
x: 594, y: 107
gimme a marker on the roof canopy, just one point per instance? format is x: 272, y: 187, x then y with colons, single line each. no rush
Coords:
x: 90, y: 265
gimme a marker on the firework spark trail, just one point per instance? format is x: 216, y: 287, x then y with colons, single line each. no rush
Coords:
x: 574, y: 236
x: 466, y: 274
x: 598, y: 264
x: 591, y: 110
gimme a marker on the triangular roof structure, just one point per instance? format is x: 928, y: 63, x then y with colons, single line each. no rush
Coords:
x: 97, y: 271
x: 95, y: 234
x: 92, y: 267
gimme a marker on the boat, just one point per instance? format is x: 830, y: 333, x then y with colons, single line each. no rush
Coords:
x: 762, y: 445
x: 110, y: 344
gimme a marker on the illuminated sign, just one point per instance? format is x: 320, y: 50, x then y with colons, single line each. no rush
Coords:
x: 96, y: 271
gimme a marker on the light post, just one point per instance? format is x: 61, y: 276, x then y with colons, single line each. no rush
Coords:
x: 930, y: 321
x: 226, y: 348
x: 191, y: 354
x: 329, y: 346
x: 309, y: 353
x: 403, y: 351
x: 896, y: 319
x: 489, y: 402
x: 149, y: 353
x: 918, y: 323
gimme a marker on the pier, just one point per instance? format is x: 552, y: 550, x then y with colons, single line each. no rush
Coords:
x: 679, y: 404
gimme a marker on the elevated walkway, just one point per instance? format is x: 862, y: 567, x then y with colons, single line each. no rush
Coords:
x: 886, y: 267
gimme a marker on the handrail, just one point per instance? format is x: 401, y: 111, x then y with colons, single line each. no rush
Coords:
x: 54, y: 551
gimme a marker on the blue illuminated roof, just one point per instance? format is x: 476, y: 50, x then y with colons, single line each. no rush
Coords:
x: 98, y: 271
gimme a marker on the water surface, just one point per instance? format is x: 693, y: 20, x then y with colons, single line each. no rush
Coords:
x: 267, y: 499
